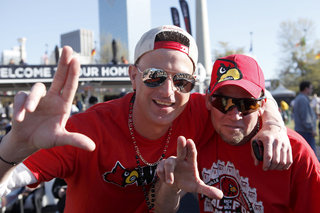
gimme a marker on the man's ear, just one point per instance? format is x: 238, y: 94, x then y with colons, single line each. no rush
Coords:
x: 263, y: 106
x: 208, y: 101
x: 133, y: 74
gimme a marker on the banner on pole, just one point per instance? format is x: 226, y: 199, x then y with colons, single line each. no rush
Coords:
x: 175, y: 16
x: 186, y: 16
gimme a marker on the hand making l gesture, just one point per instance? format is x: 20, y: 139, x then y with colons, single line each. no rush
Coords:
x: 181, y: 172
x: 39, y: 118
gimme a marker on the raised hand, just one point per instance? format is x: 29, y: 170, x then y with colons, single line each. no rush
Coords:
x: 39, y: 118
x: 181, y: 172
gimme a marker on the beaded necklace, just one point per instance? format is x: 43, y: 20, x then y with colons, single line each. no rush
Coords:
x: 138, y: 155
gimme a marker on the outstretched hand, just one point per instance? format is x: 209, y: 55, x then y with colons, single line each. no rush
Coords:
x: 39, y: 118
x: 181, y: 172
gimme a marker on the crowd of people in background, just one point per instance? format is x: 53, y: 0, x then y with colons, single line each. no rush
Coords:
x: 80, y: 104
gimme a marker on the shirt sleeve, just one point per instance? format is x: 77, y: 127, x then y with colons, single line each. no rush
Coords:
x: 19, y: 177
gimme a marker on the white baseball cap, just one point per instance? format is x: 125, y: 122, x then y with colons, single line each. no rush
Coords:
x: 147, y: 43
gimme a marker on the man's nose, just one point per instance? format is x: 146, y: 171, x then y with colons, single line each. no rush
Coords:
x: 234, y: 111
x: 168, y: 87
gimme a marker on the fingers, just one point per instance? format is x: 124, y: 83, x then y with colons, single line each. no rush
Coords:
x: 191, y: 152
x: 18, y: 106
x: 37, y: 91
x: 289, y: 159
x: 24, y: 102
x: 181, y: 148
x: 71, y: 85
x: 169, y: 170
x: 66, y: 75
x: 165, y: 170
x: 186, y: 149
x: 277, y: 155
x: 282, y: 156
x: 277, y: 148
x: 160, y: 170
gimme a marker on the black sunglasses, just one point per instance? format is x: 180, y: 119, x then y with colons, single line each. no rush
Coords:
x: 153, y: 77
x: 244, y: 105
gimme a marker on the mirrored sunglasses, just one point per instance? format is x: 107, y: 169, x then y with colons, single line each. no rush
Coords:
x: 153, y: 77
x: 244, y: 105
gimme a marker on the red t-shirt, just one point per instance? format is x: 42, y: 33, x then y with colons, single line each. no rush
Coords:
x: 247, y: 188
x: 105, y: 180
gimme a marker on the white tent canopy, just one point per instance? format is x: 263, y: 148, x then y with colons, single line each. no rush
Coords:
x: 281, y: 91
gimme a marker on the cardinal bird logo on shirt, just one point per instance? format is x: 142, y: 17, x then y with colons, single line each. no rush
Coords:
x: 229, y: 186
x: 238, y: 195
x: 121, y: 176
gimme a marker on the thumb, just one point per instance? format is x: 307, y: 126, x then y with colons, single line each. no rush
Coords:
x: 77, y: 140
x: 210, y: 191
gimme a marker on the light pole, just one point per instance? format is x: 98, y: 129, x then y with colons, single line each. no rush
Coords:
x: 251, y: 47
x: 203, y: 35
x: 20, y: 43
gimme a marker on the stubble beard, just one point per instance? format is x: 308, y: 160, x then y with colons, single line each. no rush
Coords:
x: 232, y: 139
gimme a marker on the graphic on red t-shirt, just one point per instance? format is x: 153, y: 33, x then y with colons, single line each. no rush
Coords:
x: 121, y: 176
x: 238, y: 195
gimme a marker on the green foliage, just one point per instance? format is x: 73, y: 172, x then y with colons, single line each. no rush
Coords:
x: 224, y: 49
x: 298, y: 50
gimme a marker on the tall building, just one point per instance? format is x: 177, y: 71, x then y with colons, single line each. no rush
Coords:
x: 81, y: 41
x: 125, y: 21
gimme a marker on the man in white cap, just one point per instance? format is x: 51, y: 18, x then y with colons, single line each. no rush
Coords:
x: 126, y: 137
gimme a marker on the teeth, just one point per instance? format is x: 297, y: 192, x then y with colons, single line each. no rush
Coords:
x: 164, y: 103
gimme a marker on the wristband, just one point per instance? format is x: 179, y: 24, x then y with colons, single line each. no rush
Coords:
x: 274, y: 123
x: 11, y: 163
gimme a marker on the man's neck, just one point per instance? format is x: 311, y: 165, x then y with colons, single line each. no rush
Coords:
x: 252, y: 134
x: 305, y: 92
x: 146, y: 127
x: 149, y: 131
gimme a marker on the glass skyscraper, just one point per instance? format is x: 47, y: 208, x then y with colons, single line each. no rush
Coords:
x: 81, y: 41
x: 125, y: 21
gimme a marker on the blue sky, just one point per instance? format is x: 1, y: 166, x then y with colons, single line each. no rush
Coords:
x: 43, y: 21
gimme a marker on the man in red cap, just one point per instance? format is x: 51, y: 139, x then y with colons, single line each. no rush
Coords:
x: 236, y: 100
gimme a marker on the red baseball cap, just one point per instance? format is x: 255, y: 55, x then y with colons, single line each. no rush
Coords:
x: 238, y: 70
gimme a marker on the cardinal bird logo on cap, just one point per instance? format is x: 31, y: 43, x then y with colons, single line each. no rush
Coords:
x: 228, y: 70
